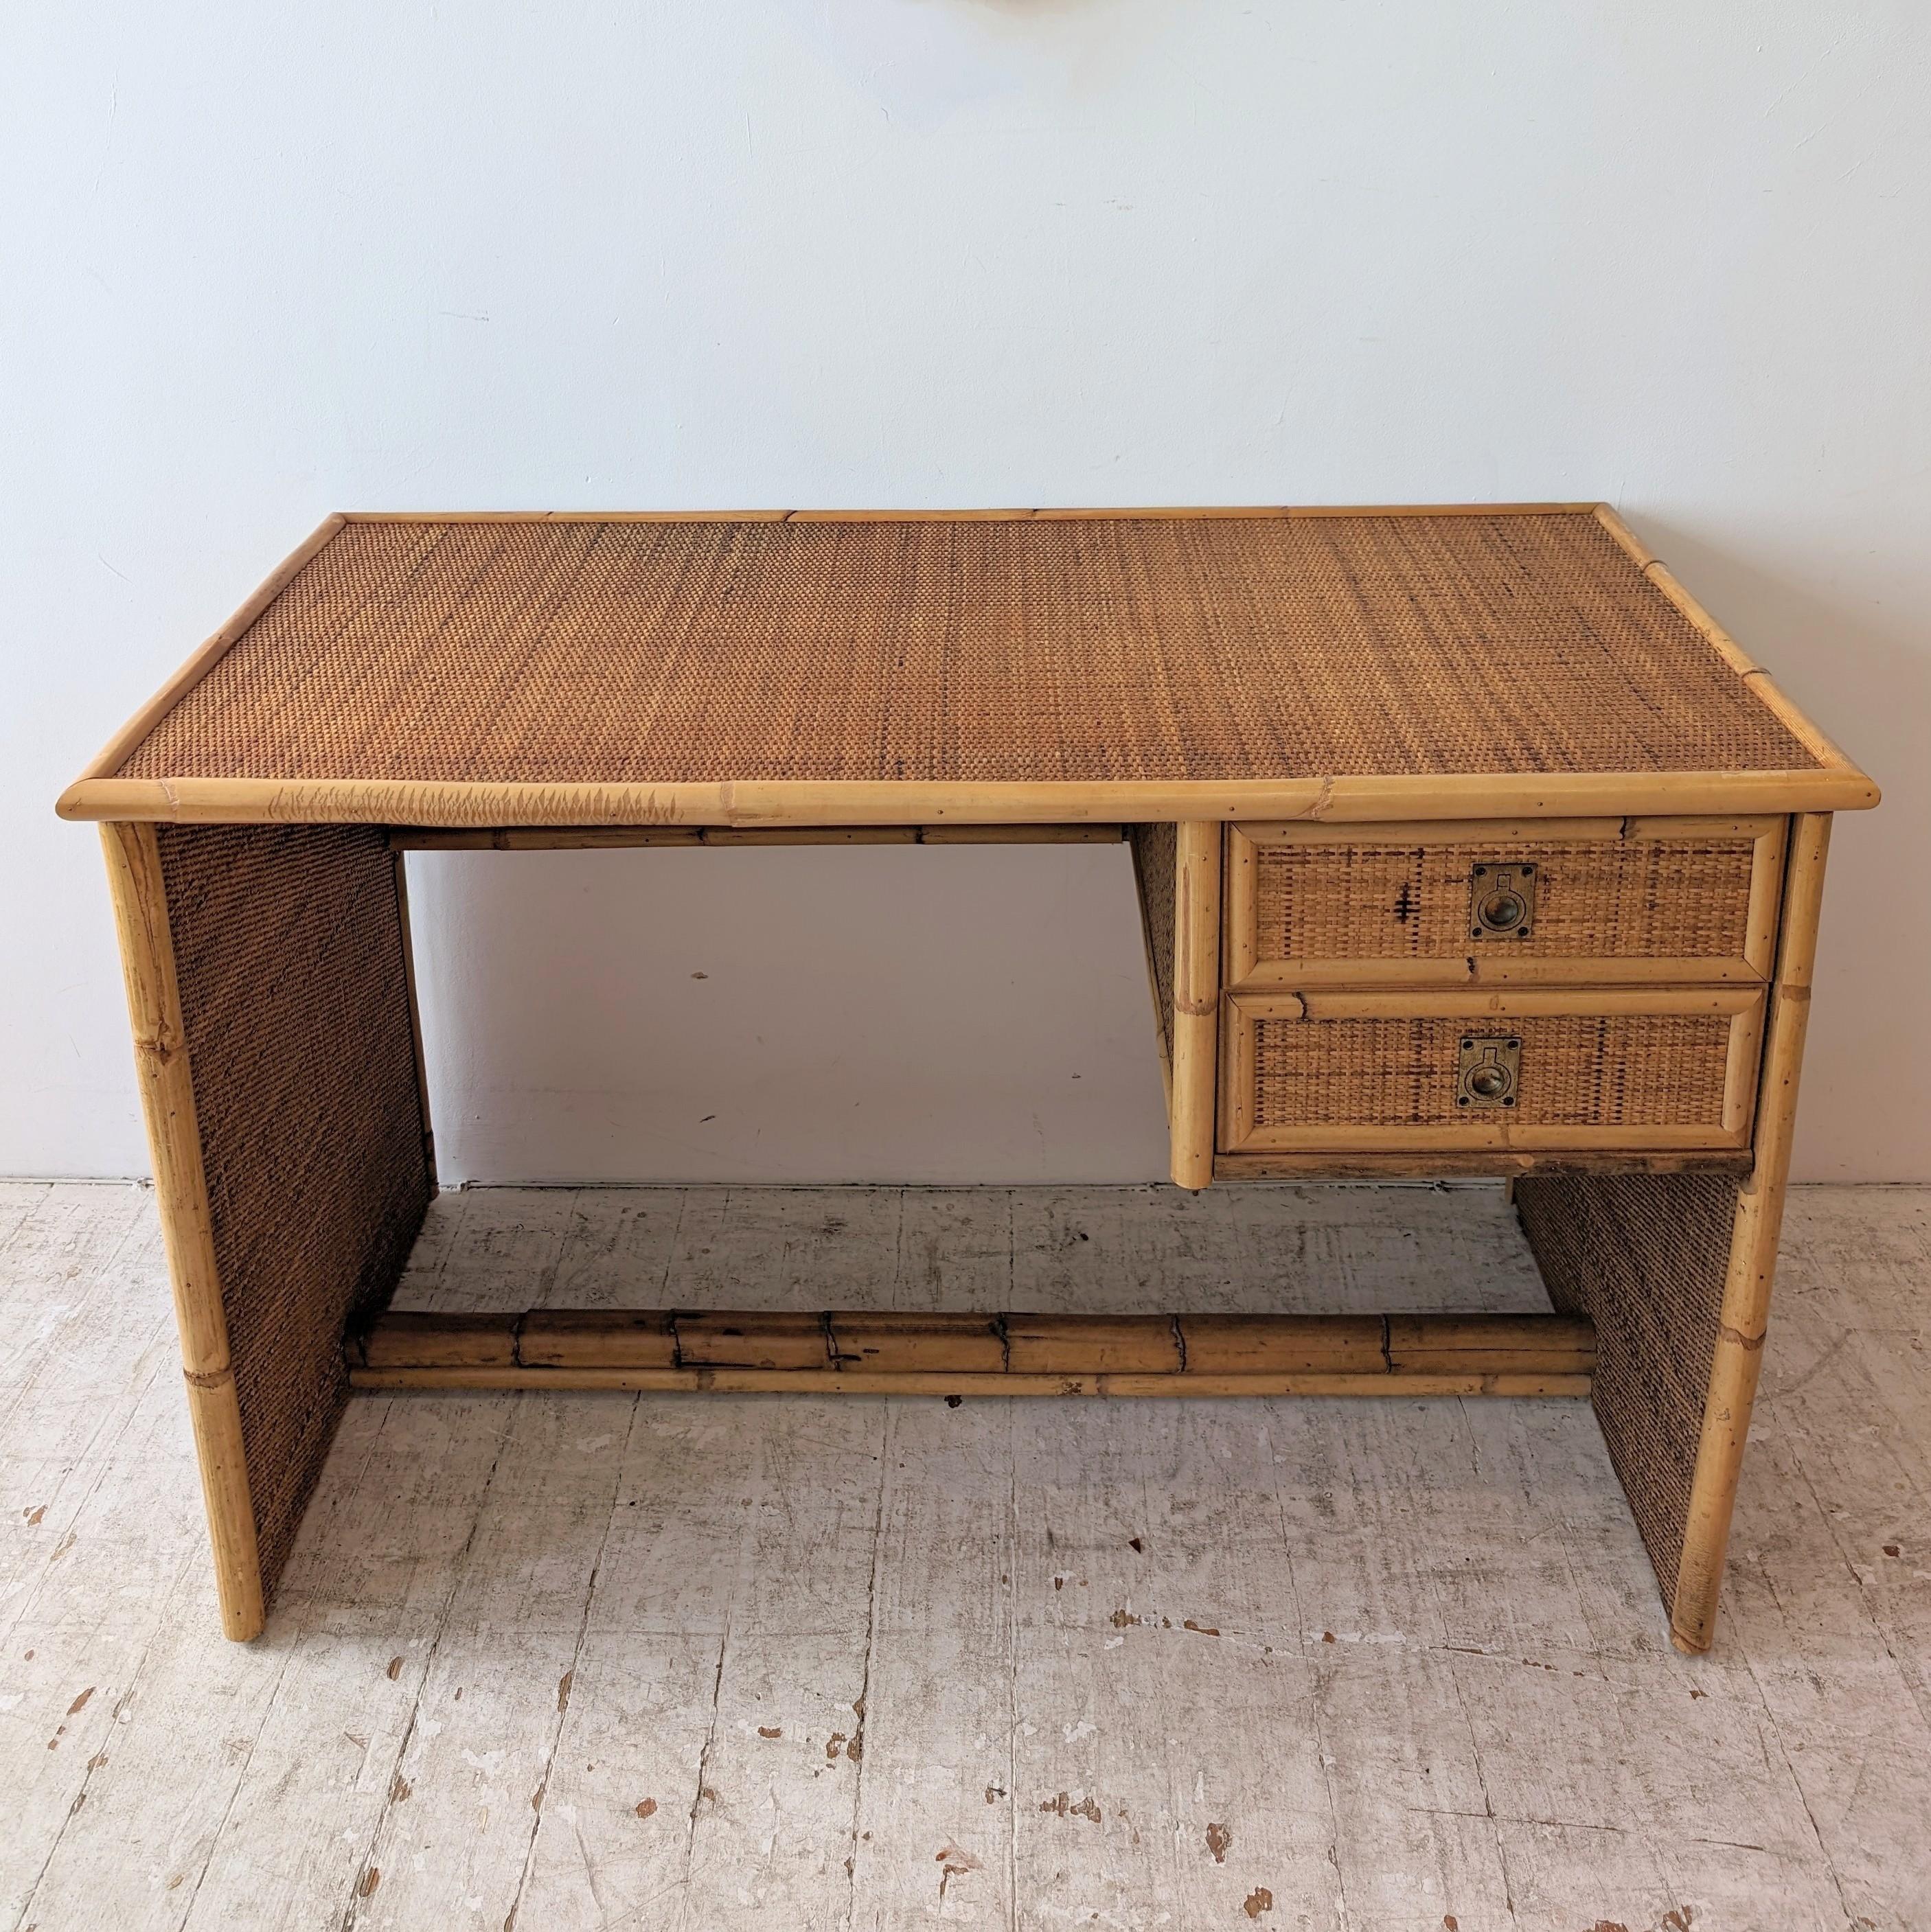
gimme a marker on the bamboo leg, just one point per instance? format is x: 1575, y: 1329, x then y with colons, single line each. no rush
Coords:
x: 1196, y: 999
x: 415, y: 1011
x: 268, y: 973
x: 1152, y: 849
x: 1674, y: 1270
x: 1753, y: 1245
x: 181, y: 1191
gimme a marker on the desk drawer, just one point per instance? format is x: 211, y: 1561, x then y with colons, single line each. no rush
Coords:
x: 1605, y: 901
x: 1619, y: 1069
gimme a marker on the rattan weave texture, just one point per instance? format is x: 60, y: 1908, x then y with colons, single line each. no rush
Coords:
x: 1645, y: 1258
x: 1603, y: 898
x: 288, y: 951
x: 1155, y: 848
x: 1577, y: 1070
x: 1090, y: 650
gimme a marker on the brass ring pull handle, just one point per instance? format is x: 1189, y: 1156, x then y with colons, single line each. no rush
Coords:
x: 1489, y: 1071
x: 1502, y: 911
x: 1502, y: 901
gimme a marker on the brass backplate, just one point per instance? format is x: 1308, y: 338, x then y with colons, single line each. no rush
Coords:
x: 1489, y: 1071
x: 1501, y: 900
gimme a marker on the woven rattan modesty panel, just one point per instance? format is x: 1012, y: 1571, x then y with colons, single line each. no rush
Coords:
x: 1154, y: 848
x: 1082, y: 650
x: 1644, y: 1256
x: 288, y: 949
x: 1644, y: 898
x: 1577, y: 1070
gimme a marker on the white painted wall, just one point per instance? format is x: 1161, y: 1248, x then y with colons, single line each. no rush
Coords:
x: 259, y: 265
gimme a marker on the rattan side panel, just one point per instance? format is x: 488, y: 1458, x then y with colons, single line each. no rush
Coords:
x: 1153, y: 859
x: 1644, y: 1256
x: 289, y: 951
x: 1650, y: 898
x: 1577, y: 1070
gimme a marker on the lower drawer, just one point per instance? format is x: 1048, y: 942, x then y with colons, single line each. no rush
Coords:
x: 1654, y: 1069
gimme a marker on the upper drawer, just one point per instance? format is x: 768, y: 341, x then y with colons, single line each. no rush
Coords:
x: 1596, y: 900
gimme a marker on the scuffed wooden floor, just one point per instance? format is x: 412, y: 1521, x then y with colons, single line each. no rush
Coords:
x: 700, y: 1663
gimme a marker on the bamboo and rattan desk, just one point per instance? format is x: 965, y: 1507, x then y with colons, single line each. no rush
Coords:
x: 1467, y: 843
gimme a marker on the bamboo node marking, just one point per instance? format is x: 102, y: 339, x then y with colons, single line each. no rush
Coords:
x: 1321, y: 803
x: 160, y: 1048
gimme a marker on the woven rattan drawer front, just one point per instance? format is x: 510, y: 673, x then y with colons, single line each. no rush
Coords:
x: 1616, y: 1069
x: 1610, y: 901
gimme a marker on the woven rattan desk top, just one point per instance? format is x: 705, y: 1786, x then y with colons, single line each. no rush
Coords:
x: 827, y: 669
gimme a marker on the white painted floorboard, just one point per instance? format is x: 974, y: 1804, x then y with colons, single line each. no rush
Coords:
x: 690, y: 1664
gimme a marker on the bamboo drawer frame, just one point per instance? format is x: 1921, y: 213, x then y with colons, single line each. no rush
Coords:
x: 256, y: 848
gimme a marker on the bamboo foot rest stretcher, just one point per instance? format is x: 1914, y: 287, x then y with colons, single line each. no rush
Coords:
x: 919, y: 1354
x: 1467, y: 843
